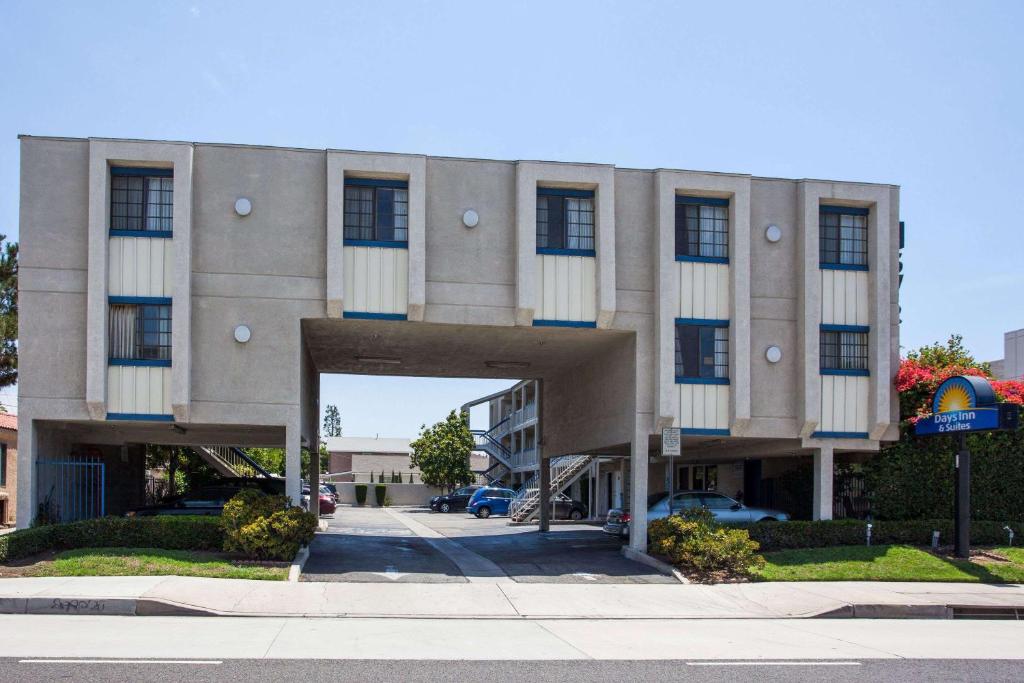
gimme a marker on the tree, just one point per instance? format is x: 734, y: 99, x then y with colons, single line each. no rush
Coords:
x: 8, y: 313
x: 332, y: 421
x: 442, y: 452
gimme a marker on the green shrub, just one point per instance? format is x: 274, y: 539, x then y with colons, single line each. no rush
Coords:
x: 696, y: 543
x: 169, y: 532
x: 265, y: 527
x: 361, y: 493
x: 826, y: 533
x: 278, y: 536
x: 379, y: 493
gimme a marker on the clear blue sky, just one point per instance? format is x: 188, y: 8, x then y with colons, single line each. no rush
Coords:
x: 926, y: 95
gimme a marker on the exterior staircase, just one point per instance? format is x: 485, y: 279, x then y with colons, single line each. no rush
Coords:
x: 489, y: 444
x: 230, y: 461
x: 564, y: 471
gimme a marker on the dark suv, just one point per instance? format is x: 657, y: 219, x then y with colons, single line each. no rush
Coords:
x: 456, y: 500
x: 209, y: 500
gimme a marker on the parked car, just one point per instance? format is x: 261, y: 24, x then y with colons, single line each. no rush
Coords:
x: 724, y: 508
x: 331, y: 488
x: 454, y: 501
x: 490, y: 500
x: 568, y: 508
x: 327, y: 502
x: 210, y: 499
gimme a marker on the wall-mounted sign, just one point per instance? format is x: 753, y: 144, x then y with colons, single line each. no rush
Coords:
x: 966, y: 404
x: 671, y: 442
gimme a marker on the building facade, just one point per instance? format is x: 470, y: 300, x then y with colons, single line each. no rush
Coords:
x: 8, y: 468
x: 1011, y: 365
x: 191, y: 293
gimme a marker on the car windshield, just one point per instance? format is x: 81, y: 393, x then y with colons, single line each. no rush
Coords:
x: 716, y: 501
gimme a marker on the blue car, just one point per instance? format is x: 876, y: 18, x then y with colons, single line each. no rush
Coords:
x: 490, y: 501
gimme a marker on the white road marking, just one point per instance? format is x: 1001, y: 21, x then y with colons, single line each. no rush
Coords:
x: 772, y: 663
x: 120, y: 661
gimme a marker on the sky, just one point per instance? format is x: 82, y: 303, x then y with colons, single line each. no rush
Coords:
x: 925, y: 95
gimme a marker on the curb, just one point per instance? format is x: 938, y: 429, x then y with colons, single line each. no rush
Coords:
x: 298, y: 563
x: 654, y: 563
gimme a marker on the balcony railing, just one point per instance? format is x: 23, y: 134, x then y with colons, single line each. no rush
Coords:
x: 525, y: 458
x: 524, y: 414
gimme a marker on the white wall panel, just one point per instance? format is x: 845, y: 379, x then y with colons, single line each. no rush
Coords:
x: 139, y: 390
x: 703, y: 406
x: 376, y: 279
x: 844, y: 403
x: 703, y: 290
x: 566, y: 288
x: 844, y: 297
x: 140, y: 266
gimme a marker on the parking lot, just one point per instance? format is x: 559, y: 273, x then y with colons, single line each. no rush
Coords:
x: 415, y: 545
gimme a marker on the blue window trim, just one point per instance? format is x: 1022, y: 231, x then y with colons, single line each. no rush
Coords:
x: 843, y: 266
x: 377, y: 243
x: 702, y: 259
x: 365, y: 315
x: 564, y: 323
x: 140, y: 417
x: 131, y: 170
x: 846, y: 372
x: 140, y: 363
x: 566, y: 252
x: 839, y: 435
x: 141, y: 233
x: 693, y: 431
x: 701, y: 201
x: 378, y: 182
x: 701, y: 321
x: 846, y: 210
x: 150, y: 300
x: 701, y: 380
x: 863, y: 329
x: 564, y: 192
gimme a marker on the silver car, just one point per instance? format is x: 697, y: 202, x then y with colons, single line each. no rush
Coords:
x: 724, y: 508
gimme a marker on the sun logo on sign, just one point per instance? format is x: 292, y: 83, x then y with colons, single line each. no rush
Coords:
x: 954, y: 396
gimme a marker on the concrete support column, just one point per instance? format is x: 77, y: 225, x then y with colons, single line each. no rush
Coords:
x: 545, y: 494
x: 314, y: 477
x: 293, y: 463
x: 823, y: 458
x: 638, y: 493
x: 27, y: 448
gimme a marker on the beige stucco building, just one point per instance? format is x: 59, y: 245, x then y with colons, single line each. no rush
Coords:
x: 191, y: 293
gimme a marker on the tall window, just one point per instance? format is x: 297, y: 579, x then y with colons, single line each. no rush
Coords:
x: 844, y: 236
x: 702, y: 352
x: 142, y: 200
x: 377, y: 211
x: 3, y: 464
x: 702, y: 228
x: 565, y: 220
x: 844, y: 351
x: 140, y: 332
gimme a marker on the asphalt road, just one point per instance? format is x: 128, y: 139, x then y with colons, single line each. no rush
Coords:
x: 836, y: 671
x: 370, y: 545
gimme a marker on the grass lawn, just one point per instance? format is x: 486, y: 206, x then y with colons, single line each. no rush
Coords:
x: 886, y: 563
x: 151, y: 562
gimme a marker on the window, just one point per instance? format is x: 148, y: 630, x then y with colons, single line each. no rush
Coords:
x: 377, y: 211
x: 702, y: 229
x: 140, y: 333
x: 685, y: 501
x: 844, y: 237
x: 141, y: 201
x: 716, y: 501
x: 702, y: 352
x: 844, y: 350
x: 565, y: 221
x: 3, y: 464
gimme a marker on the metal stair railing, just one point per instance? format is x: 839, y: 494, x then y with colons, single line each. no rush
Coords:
x: 487, y: 443
x: 564, y: 471
x: 230, y: 461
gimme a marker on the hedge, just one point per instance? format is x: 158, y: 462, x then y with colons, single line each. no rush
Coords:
x: 169, y: 532
x: 361, y: 493
x: 380, y: 493
x: 822, y: 534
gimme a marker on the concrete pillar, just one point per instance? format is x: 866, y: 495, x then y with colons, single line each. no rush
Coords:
x: 27, y: 494
x: 314, y: 476
x: 293, y: 463
x: 638, y: 493
x: 823, y: 482
x: 545, y: 495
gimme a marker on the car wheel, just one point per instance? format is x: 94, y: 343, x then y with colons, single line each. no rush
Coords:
x: 483, y: 513
x: 445, y: 507
x: 767, y: 519
x: 576, y: 515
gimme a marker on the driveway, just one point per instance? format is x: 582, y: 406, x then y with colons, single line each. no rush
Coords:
x: 419, y: 546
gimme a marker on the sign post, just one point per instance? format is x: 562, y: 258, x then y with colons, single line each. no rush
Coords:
x: 671, y: 446
x: 962, y: 405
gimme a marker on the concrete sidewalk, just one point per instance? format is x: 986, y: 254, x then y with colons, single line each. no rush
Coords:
x: 171, y: 595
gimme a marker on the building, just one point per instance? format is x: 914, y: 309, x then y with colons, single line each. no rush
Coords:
x: 190, y: 293
x: 8, y: 468
x: 1011, y: 365
x: 355, y: 458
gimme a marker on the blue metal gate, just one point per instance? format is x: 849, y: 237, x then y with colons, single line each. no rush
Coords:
x: 72, y: 488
